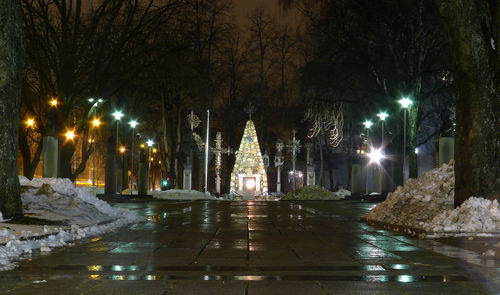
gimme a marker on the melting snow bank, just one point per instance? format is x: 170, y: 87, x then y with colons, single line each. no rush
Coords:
x: 177, y: 194
x: 58, y: 200
x: 425, y: 204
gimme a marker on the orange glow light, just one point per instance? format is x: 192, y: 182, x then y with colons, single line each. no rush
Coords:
x: 70, y: 135
x: 53, y: 102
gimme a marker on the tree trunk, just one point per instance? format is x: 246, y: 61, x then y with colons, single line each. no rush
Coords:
x: 321, y: 163
x: 412, y: 140
x: 11, y: 69
x: 67, y: 151
x: 474, y: 34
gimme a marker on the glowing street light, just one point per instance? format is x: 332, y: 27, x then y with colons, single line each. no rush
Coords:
x: 53, y: 102
x: 133, y: 123
x: 96, y: 122
x: 367, y: 125
x: 30, y: 122
x: 118, y: 115
x: 382, y: 116
x: 122, y: 149
x: 405, y: 102
x: 70, y: 135
x: 376, y: 156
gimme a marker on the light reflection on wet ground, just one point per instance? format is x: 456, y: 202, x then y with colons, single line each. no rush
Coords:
x: 321, y: 244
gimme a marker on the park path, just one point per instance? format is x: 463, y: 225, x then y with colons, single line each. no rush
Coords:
x: 253, y: 248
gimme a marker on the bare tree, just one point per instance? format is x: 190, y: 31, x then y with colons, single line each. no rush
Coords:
x: 474, y: 34
x: 11, y: 68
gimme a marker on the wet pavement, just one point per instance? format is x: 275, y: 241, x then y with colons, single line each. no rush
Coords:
x: 254, y: 248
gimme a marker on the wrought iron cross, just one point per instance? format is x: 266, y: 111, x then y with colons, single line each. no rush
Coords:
x: 250, y: 109
x: 193, y: 121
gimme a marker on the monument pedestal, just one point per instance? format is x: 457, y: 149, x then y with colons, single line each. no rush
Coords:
x: 446, y: 150
x: 50, y: 167
x: 186, y: 183
x: 355, y: 184
x: 311, y: 175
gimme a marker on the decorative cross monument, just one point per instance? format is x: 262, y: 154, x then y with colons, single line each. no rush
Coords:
x: 193, y: 122
x: 278, y: 162
x: 219, y: 150
x: 310, y: 174
x: 249, y: 178
x: 294, y: 147
x: 250, y: 109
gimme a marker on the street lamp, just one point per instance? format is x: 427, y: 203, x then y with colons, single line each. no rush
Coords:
x: 376, y: 156
x: 382, y: 116
x: 132, y: 124
x: 150, y: 144
x: 30, y: 122
x: 96, y: 124
x: 367, y: 125
x: 118, y: 115
x: 405, y: 103
x: 70, y: 135
x: 53, y: 102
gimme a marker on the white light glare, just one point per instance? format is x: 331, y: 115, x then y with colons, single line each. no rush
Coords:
x: 133, y: 123
x: 405, y: 102
x: 118, y: 115
x: 382, y: 115
x: 149, y: 143
x: 376, y: 156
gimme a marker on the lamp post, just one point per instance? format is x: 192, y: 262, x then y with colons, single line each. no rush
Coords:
x: 382, y: 116
x: 206, y: 151
x: 96, y: 124
x: 405, y: 103
x: 132, y: 124
x: 150, y: 145
x: 367, y: 125
x: 118, y: 115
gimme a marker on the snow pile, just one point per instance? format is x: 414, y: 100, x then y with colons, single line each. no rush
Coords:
x: 57, y: 200
x: 342, y: 193
x: 15, y: 248
x: 419, y: 200
x: 314, y: 192
x: 177, y: 194
x: 426, y: 203
x: 475, y: 215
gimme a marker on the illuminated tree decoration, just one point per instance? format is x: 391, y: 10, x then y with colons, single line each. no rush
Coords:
x: 249, y: 161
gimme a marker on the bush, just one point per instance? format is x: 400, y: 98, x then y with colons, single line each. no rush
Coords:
x: 311, y: 192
